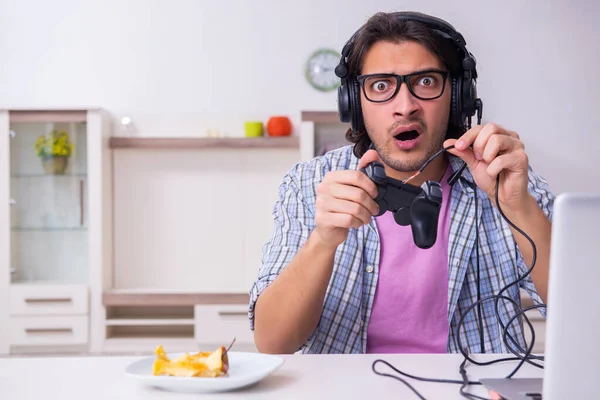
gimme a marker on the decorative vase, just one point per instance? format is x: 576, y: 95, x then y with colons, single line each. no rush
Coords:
x: 55, y: 165
x: 279, y: 126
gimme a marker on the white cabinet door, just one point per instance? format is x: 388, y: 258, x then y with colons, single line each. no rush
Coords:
x: 219, y: 324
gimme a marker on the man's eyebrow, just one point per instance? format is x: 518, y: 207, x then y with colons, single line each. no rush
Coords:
x: 427, y: 69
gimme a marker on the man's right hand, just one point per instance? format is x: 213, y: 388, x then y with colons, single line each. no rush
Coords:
x: 345, y: 200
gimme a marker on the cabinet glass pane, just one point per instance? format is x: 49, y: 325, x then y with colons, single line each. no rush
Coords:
x: 49, y: 203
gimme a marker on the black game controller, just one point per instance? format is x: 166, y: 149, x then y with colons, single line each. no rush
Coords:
x: 418, y: 206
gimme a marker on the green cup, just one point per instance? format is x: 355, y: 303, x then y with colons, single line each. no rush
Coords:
x: 253, y: 128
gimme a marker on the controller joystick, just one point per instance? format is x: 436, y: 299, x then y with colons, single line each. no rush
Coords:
x: 417, y: 206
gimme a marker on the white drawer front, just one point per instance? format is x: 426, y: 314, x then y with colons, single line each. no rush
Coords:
x: 219, y: 324
x: 31, y: 331
x: 48, y: 300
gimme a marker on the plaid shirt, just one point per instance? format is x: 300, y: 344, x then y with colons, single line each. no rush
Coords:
x: 351, y: 290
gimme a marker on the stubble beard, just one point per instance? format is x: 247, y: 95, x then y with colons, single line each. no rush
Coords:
x: 408, y: 165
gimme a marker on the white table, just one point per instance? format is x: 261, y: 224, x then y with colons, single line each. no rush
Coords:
x: 300, y: 377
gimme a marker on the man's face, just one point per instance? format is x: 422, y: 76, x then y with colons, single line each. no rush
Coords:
x: 383, y: 121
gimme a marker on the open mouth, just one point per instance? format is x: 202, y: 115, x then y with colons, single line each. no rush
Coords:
x: 406, y: 136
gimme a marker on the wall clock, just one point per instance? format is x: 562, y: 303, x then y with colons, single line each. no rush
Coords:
x: 319, y: 70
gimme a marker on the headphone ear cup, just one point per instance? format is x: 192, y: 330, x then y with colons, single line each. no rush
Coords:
x: 357, y: 122
x: 455, y: 109
x: 343, y: 103
x: 469, y: 96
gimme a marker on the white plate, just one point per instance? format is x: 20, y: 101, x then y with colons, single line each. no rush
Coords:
x: 245, y: 369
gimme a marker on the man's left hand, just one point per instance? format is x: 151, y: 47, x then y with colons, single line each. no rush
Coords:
x: 494, y: 151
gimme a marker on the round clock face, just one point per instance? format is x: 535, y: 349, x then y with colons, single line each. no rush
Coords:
x: 320, y: 70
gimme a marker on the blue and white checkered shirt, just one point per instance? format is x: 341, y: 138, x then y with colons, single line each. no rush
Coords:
x: 350, y: 293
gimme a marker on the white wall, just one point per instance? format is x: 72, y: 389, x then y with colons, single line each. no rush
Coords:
x: 182, y: 66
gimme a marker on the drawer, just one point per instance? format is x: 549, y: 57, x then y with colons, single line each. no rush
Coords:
x: 48, y: 300
x: 219, y: 324
x: 32, y: 331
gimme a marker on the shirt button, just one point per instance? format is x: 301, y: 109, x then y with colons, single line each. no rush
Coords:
x: 369, y: 268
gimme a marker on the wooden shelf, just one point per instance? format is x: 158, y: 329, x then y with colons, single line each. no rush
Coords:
x: 150, y: 331
x: 144, y: 321
x: 202, y: 143
x: 324, y: 117
x: 156, y: 298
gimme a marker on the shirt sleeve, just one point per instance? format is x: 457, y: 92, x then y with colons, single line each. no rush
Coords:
x: 539, y: 189
x: 291, y: 228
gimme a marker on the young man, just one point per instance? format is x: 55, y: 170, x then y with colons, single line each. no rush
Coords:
x: 337, y: 278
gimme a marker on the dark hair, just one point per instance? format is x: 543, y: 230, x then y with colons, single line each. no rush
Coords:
x: 385, y: 26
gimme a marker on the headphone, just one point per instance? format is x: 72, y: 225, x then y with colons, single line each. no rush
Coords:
x: 464, y: 102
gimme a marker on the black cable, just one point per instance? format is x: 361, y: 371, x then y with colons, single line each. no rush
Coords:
x: 499, y: 296
x: 418, y: 378
x: 463, y: 382
x: 463, y: 373
x: 506, y: 336
x: 479, y: 314
x: 518, y: 357
x: 433, y: 157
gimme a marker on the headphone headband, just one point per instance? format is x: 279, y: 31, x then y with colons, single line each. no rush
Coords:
x: 438, y: 25
x: 442, y: 27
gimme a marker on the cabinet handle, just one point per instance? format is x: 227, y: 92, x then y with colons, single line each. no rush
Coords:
x: 81, y: 202
x: 42, y: 300
x: 233, y: 313
x: 12, y: 202
x: 30, y: 331
x: 12, y: 133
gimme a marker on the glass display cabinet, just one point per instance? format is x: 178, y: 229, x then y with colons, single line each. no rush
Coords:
x: 52, y: 218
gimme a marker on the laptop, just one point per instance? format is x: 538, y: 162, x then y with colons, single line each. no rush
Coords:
x: 572, y: 351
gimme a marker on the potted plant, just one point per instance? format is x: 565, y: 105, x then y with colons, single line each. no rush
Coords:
x: 54, y: 149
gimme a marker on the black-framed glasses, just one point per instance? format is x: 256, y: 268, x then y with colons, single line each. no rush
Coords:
x: 425, y: 85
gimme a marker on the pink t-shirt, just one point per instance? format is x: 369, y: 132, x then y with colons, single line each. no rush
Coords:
x: 410, y: 310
